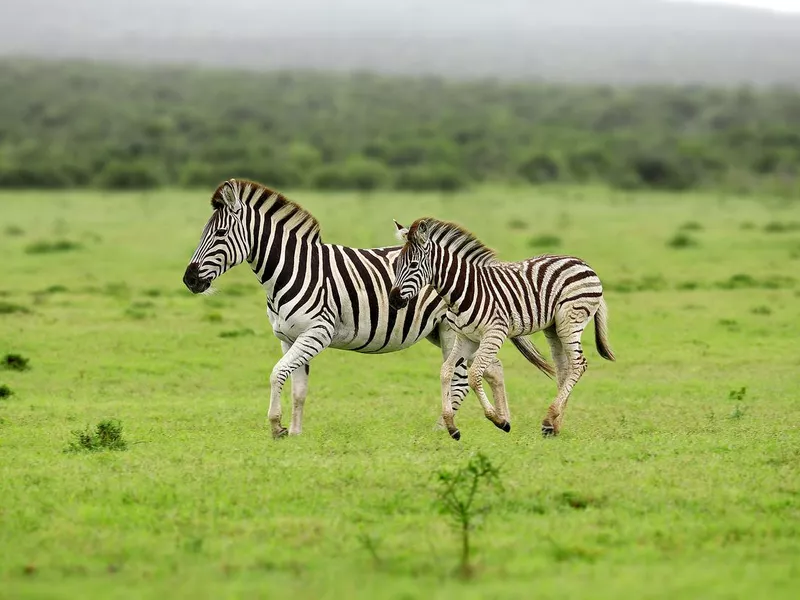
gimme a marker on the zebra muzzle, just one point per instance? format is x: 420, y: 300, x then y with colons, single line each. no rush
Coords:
x: 396, y: 300
x: 192, y: 280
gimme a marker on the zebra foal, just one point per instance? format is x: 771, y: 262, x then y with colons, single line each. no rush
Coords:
x: 318, y: 295
x: 490, y: 300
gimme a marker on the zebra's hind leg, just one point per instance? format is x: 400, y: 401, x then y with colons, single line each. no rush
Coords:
x: 495, y: 377
x: 565, y: 342
x: 485, y: 357
x: 299, y: 393
x: 305, y: 347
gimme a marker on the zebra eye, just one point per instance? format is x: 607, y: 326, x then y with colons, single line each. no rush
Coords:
x: 413, y: 264
x: 221, y: 232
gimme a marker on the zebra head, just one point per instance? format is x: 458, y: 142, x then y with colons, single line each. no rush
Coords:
x: 225, y: 241
x: 412, y: 271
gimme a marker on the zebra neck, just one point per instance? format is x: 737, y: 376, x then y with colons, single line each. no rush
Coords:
x: 283, y: 255
x: 455, y: 278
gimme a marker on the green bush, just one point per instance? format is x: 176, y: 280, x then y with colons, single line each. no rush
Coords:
x: 422, y: 178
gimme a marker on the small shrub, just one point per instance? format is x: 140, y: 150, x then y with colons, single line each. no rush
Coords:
x: 737, y: 395
x: 107, y: 435
x: 762, y: 310
x: 5, y: 392
x: 15, y: 362
x: 214, y: 317
x: 237, y: 333
x: 578, y: 501
x: 781, y: 227
x: 544, y: 241
x: 53, y: 289
x: 691, y: 226
x: 152, y: 293
x: 457, y: 499
x: 48, y: 247
x: 681, y: 240
x: 517, y: 224
x: 737, y: 413
x: 740, y: 280
x: 8, y: 308
x: 747, y: 226
x: 14, y: 231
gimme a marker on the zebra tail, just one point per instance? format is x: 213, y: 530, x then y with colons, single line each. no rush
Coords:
x: 601, y: 331
x: 531, y: 352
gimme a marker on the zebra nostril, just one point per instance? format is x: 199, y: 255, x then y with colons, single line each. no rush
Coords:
x: 192, y: 275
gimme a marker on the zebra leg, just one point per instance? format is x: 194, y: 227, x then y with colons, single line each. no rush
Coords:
x: 304, y: 348
x: 462, y: 350
x: 495, y: 377
x: 459, y: 388
x: 559, y: 356
x: 569, y: 326
x: 484, y: 358
x: 299, y: 393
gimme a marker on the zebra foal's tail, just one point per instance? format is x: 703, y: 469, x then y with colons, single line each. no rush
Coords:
x: 601, y: 331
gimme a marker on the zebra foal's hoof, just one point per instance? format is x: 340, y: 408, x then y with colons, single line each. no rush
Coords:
x: 505, y: 426
x: 455, y: 434
x: 548, y: 430
x: 280, y: 433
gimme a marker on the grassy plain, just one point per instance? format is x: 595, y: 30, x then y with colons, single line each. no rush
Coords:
x: 664, y: 484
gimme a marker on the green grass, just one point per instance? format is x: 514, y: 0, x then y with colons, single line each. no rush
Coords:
x: 677, y: 474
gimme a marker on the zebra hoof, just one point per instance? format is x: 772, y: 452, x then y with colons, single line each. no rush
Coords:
x: 505, y: 426
x: 280, y: 433
x: 548, y: 430
x: 456, y: 435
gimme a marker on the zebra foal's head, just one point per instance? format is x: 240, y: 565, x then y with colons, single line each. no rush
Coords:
x: 412, y: 271
x: 225, y: 241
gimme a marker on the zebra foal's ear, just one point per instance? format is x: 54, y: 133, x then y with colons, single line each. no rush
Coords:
x: 230, y: 195
x: 400, y: 231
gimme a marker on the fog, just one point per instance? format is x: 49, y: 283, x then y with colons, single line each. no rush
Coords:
x: 567, y: 40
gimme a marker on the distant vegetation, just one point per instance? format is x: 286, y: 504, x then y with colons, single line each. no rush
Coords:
x: 78, y: 124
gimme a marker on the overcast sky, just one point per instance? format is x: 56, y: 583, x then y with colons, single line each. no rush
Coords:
x: 782, y: 5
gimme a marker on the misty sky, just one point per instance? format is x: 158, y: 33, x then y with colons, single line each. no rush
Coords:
x: 782, y: 5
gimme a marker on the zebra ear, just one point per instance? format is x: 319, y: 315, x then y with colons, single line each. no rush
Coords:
x: 230, y: 196
x: 400, y: 232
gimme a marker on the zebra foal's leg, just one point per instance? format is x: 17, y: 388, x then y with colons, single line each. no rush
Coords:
x: 496, y: 378
x: 304, y: 348
x: 299, y: 393
x: 485, y: 357
x: 568, y: 329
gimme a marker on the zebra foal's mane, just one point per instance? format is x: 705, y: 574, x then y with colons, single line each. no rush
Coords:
x: 455, y: 237
x: 261, y: 197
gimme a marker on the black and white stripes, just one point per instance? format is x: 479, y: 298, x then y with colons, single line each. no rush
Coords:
x: 491, y: 300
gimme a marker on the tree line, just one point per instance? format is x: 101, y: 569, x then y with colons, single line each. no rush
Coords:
x: 81, y: 124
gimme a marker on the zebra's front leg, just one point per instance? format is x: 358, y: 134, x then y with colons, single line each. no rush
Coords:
x: 462, y: 349
x: 458, y: 387
x: 304, y: 348
x: 485, y: 357
x: 299, y: 393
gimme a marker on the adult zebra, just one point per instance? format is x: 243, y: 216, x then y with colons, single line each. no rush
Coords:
x: 492, y: 300
x: 319, y: 295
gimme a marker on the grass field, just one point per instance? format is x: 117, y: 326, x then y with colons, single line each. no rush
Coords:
x: 677, y: 474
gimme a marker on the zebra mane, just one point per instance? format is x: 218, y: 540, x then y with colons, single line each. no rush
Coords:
x: 455, y: 237
x: 261, y: 197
